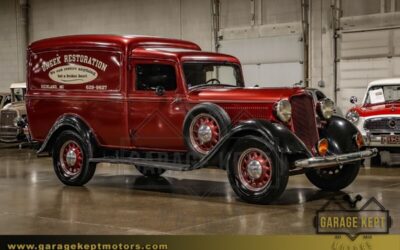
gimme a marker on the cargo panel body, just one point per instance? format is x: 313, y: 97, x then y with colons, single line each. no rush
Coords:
x: 85, y: 76
x: 84, y: 82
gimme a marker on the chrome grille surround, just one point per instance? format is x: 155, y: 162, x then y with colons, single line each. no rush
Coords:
x: 7, y: 118
x: 8, y: 132
x: 382, y: 125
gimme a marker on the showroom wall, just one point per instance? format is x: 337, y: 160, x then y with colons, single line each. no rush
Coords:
x: 185, y: 19
x: 368, y: 46
x: 11, y: 50
x: 267, y: 36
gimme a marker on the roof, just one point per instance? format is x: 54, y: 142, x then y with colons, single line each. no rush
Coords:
x: 185, y: 54
x: 117, y: 41
x: 388, y: 81
x: 18, y: 85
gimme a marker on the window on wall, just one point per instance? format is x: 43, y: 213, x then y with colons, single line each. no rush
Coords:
x: 235, y: 13
x: 360, y: 7
x: 151, y: 76
x: 281, y: 11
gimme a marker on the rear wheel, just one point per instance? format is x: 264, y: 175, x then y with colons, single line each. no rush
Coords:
x: 256, y: 172
x: 149, y: 171
x: 334, y: 178
x: 71, y: 156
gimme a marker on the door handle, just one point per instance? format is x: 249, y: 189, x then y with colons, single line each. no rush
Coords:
x: 177, y: 100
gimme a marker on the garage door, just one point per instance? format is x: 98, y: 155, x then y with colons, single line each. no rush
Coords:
x: 365, y: 56
x: 268, y: 61
x: 266, y: 36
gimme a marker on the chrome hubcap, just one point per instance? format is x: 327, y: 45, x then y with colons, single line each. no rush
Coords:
x: 254, y: 169
x: 70, y: 158
x: 205, y: 133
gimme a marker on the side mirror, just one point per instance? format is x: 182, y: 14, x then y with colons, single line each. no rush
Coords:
x: 160, y: 90
x: 353, y: 100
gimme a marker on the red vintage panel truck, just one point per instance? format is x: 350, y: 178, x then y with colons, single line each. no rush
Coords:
x: 163, y: 104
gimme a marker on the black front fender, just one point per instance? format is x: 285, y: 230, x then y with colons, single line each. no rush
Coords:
x: 71, y: 122
x: 278, y: 135
x: 340, y: 134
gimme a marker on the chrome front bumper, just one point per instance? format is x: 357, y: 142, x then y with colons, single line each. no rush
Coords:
x: 334, y: 160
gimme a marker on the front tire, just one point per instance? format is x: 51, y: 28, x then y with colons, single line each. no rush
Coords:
x: 71, y: 156
x: 256, y: 171
x: 334, y: 178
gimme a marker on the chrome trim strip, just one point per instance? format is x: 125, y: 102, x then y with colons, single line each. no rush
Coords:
x: 333, y: 160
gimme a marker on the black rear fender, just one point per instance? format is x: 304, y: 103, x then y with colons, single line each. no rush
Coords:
x: 68, y: 122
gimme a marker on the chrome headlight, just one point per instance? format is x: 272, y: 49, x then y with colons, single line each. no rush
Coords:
x: 283, y: 110
x: 19, y: 122
x: 353, y: 116
x: 326, y: 108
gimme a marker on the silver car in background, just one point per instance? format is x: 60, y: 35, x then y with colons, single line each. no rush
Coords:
x: 12, y: 113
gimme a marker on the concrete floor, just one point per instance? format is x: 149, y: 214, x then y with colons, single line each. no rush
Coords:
x: 119, y: 200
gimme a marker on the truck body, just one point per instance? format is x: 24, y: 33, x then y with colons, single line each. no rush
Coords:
x: 91, y: 97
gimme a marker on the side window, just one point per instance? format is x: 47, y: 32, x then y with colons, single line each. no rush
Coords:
x: 149, y: 76
x: 7, y: 100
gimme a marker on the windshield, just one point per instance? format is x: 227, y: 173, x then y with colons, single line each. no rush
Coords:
x: 383, y: 94
x: 18, y: 94
x: 205, y: 74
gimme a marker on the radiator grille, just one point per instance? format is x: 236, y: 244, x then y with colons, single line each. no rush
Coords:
x: 303, y: 119
x: 7, y: 117
x: 388, y: 124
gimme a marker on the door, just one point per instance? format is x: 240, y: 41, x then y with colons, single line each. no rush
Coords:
x: 156, y: 105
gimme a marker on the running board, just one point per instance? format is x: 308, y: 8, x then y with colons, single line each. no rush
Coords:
x: 144, y: 162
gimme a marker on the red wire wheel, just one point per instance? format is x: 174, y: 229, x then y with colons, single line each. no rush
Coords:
x: 204, y: 133
x: 71, y: 159
x: 255, y: 169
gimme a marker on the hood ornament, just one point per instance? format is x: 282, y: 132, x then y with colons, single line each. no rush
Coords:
x: 393, y: 108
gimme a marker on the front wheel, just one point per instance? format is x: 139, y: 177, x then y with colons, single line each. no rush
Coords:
x: 256, y: 171
x: 71, y: 156
x: 334, y: 178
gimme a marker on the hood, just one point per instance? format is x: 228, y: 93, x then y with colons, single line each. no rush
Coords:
x: 19, y: 106
x: 379, y: 109
x: 224, y: 94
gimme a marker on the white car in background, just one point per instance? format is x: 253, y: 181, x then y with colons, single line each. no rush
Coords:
x: 13, y: 113
x: 378, y: 115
